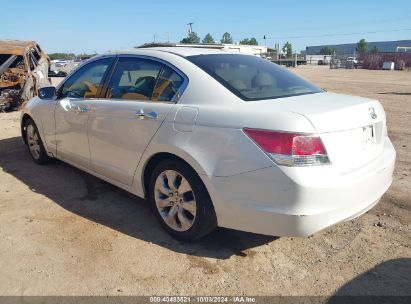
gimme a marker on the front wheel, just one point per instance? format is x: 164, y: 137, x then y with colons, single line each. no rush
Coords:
x: 180, y: 201
x: 34, y: 143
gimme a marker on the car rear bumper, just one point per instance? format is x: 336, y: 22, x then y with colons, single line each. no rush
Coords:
x: 299, y: 201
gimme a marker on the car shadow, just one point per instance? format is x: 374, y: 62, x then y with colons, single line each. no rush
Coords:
x: 113, y: 207
x: 388, y: 282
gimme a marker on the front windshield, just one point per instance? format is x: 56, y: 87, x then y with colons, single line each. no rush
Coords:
x: 253, y: 78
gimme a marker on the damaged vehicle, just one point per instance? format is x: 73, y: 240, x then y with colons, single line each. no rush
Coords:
x: 23, y: 70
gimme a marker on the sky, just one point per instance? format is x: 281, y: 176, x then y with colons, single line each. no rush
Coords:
x: 88, y: 26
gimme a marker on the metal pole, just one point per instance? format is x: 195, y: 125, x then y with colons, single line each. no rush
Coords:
x: 190, y: 27
x: 295, y: 63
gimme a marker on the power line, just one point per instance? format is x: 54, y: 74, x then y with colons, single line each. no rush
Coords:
x: 334, y: 25
x: 342, y: 34
x: 395, y: 20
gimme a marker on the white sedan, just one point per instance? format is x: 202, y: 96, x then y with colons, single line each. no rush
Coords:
x: 212, y: 138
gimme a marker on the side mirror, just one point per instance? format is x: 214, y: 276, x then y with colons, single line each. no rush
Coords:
x: 47, y: 93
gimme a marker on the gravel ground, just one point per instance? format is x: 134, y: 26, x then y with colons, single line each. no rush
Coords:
x: 64, y: 232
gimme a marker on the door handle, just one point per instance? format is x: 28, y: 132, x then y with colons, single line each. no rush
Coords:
x: 79, y: 109
x: 151, y: 115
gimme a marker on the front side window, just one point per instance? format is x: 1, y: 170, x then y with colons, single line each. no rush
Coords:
x: 85, y: 82
x: 253, y: 78
x: 133, y: 79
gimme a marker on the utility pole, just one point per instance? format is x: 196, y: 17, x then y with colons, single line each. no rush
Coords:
x: 168, y: 37
x: 277, y: 50
x: 154, y: 38
x: 190, y: 27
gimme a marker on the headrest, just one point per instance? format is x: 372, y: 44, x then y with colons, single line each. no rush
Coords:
x: 238, y: 84
x: 262, y: 79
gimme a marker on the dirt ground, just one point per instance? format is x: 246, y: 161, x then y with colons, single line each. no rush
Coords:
x: 64, y: 232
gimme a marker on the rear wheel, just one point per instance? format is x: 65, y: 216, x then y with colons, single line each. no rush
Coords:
x: 34, y: 143
x: 180, y: 201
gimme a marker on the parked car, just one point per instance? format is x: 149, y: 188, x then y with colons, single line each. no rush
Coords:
x: 212, y: 138
x: 61, y: 68
x: 323, y: 62
x: 58, y: 68
x: 23, y: 70
x: 335, y: 63
x: 351, y: 63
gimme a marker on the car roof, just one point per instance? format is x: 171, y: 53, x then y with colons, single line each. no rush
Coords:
x: 15, y: 47
x: 180, y: 51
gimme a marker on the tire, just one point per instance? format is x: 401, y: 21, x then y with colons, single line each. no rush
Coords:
x: 34, y: 143
x: 183, y: 207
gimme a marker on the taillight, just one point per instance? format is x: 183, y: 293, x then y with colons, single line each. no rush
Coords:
x: 290, y: 149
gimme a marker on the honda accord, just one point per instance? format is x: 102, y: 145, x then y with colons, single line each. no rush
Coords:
x: 215, y: 138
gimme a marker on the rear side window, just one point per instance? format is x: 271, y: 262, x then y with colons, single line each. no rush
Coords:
x: 253, y: 78
x: 133, y: 79
x: 168, y: 85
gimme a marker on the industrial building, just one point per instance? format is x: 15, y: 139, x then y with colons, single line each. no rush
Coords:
x: 349, y: 48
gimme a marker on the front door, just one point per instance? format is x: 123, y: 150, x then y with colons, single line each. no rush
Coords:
x: 138, y: 98
x: 72, y: 111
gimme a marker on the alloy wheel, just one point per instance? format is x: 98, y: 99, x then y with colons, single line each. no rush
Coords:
x: 33, y: 141
x: 175, y: 200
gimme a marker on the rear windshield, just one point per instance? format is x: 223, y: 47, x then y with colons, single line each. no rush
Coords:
x: 253, y: 78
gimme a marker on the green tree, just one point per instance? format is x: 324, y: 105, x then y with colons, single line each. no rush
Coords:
x: 374, y: 50
x: 251, y: 41
x: 208, y: 39
x: 288, y: 49
x: 362, y: 46
x: 61, y: 56
x: 192, y: 38
x: 227, y: 38
x: 326, y: 51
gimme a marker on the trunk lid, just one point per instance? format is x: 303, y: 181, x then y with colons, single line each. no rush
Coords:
x: 351, y: 128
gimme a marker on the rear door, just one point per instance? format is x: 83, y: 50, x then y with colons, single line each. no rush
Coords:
x: 72, y: 110
x: 137, y: 98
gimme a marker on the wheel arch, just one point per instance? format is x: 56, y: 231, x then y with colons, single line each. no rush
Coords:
x: 151, y: 162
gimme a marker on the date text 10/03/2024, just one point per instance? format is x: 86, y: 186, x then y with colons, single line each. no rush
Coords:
x: 202, y: 299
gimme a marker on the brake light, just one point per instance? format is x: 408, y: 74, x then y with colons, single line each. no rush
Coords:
x: 290, y: 149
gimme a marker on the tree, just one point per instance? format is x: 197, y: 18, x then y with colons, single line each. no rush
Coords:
x: 61, y: 56
x: 253, y: 41
x: 326, y: 51
x: 208, y: 39
x: 288, y: 49
x: 227, y: 38
x: 374, y: 50
x: 362, y: 46
x: 247, y: 41
x: 192, y: 38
